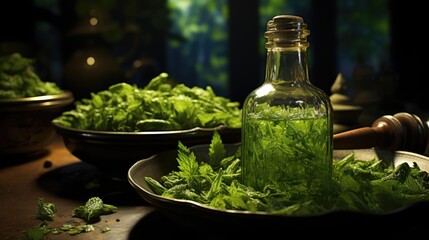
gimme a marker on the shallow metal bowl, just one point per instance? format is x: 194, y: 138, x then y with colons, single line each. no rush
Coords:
x: 192, y: 213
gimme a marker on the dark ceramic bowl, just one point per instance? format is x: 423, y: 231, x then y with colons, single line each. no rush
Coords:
x: 115, y: 152
x: 192, y: 213
x: 26, y: 123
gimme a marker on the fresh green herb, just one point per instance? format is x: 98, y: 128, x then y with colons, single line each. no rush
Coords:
x: 37, y: 232
x: 90, y: 212
x: 371, y: 186
x: 45, y: 211
x: 74, y: 230
x: 18, y: 79
x: 93, y: 209
x: 375, y: 186
x: 160, y: 105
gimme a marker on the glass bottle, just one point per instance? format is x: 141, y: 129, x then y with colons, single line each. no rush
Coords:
x: 287, y: 130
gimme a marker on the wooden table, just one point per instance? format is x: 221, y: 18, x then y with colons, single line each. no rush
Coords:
x: 62, y: 179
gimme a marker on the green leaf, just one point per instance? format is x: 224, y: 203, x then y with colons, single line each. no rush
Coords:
x: 216, y: 151
x: 186, y: 159
x: 400, y: 173
x: 215, y: 188
x: 156, y: 187
x: 37, y: 232
x: 157, y: 82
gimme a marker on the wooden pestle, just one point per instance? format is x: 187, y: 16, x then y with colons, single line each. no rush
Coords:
x: 402, y: 131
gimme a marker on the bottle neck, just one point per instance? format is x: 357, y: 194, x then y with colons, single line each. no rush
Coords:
x: 287, y: 65
x: 286, y: 50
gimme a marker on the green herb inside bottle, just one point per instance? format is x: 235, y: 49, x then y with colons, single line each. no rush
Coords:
x: 286, y: 152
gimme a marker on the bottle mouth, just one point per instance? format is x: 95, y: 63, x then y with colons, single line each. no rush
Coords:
x: 285, y: 22
x: 287, y: 31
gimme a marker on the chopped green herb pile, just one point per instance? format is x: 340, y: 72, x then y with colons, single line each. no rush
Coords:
x: 90, y: 212
x: 160, y: 105
x: 18, y: 79
x: 371, y: 186
x: 46, y: 211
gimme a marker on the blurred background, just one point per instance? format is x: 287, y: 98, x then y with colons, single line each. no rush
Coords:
x: 85, y: 46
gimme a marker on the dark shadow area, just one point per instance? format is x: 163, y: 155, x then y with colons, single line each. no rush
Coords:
x: 8, y: 160
x: 161, y: 225
x: 157, y: 225
x: 81, y: 181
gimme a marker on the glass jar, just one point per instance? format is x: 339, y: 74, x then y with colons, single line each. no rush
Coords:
x: 287, y: 128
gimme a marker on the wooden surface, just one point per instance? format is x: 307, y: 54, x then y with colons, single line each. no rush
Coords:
x: 62, y: 179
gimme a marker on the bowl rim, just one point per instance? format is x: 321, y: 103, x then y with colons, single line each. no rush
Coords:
x: 66, y: 94
x: 44, y: 102
x: 97, y: 133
